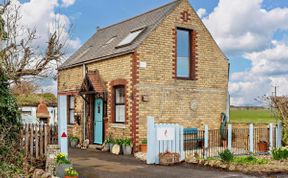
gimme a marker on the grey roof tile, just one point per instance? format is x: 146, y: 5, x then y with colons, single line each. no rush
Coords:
x: 97, y: 49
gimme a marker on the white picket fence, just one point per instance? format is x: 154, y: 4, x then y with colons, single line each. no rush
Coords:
x: 158, y: 143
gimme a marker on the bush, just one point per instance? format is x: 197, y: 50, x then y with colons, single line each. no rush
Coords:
x: 280, y: 153
x: 226, y: 155
x: 127, y: 142
x: 249, y: 160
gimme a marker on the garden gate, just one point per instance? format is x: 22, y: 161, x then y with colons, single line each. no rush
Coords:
x: 163, y: 138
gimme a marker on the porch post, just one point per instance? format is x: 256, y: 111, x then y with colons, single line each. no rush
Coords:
x: 151, y: 141
x: 62, y: 124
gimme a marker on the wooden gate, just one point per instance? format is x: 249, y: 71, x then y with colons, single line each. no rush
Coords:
x: 36, y: 137
x: 163, y: 138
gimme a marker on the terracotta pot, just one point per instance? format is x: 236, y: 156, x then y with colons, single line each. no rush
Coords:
x: 143, y: 148
x: 224, y: 143
x: 70, y: 177
x: 262, y: 146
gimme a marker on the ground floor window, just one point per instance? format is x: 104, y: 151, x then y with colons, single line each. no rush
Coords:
x: 71, y: 110
x: 119, y: 104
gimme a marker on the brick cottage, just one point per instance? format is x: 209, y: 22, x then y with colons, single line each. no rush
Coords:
x: 163, y: 63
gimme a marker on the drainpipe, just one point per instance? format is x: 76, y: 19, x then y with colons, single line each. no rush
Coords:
x: 84, y: 112
x: 228, y: 96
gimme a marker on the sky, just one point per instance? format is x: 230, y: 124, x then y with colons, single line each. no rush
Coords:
x: 253, y: 34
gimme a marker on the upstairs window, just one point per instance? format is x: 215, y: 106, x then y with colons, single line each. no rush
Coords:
x: 130, y: 38
x: 119, y: 104
x: 183, y: 53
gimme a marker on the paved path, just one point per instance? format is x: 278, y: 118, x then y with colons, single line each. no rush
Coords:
x: 96, y: 164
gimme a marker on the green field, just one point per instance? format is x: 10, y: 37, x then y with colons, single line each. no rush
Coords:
x: 251, y: 116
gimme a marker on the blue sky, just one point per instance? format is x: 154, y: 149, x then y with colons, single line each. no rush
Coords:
x: 250, y: 32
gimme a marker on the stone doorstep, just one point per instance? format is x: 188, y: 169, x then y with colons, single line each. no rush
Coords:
x: 95, y: 147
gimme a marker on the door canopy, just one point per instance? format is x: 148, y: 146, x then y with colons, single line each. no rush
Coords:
x: 93, y: 84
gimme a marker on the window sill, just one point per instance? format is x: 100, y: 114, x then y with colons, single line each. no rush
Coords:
x: 118, y: 125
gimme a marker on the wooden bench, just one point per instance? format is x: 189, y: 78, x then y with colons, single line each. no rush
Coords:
x: 192, y: 140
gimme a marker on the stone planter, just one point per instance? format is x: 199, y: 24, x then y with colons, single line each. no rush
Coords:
x: 169, y: 158
x: 60, y: 169
x: 127, y: 149
x: 74, y: 144
x: 111, y: 146
x: 143, y: 148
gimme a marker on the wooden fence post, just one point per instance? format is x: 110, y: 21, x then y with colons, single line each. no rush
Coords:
x: 251, y: 138
x: 45, y: 139
x: 31, y: 140
x: 206, y: 137
x: 36, y: 128
x: 230, y: 137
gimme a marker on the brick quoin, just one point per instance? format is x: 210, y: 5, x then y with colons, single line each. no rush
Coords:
x: 135, y: 99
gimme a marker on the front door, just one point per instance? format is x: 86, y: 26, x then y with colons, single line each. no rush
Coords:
x: 98, y: 121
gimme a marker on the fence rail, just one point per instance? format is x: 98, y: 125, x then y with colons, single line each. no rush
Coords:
x: 36, y: 137
x: 241, y: 141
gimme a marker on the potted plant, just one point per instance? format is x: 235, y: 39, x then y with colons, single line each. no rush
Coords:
x: 110, y: 142
x: 71, y: 173
x: 73, y: 141
x: 263, y: 146
x: 62, y: 163
x: 143, y: 146
x: 127, y: 146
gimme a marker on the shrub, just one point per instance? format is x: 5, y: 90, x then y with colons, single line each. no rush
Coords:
x: 75, y: 139
x: 226, y: 155
x: 249, y: 160
x: 62, y: 159
x: 127, y: 142
x: 71, y: 172
x: 144, y: 141
x: 280, y: 153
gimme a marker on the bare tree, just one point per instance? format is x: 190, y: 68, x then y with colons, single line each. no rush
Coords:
x: 20, y: 57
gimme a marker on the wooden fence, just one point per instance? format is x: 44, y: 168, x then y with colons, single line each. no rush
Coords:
x: 36, y: 138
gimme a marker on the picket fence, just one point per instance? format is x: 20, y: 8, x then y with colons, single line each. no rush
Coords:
x: 36, y: 137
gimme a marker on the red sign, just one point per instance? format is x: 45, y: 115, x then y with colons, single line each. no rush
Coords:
x: 63, y: 135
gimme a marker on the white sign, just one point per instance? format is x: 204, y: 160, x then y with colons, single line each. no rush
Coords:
x: 143, y: 64
x: 167, y: 133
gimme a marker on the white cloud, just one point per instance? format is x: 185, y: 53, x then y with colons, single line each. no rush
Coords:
x: 67, y: 3
x: 269, y: 68
x: 243, y: 25
x: 201, y: 12
x: 44, y: 16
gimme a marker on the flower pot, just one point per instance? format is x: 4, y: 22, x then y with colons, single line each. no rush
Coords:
x: 60, y: 169
x: 224, y: 143
x: 127, y: 149
x: 70, y: 176
x: 143, y: 148
x: 263, y: 146
x: 106, y: 147
x: 111, y: 146
x: 73, y: 144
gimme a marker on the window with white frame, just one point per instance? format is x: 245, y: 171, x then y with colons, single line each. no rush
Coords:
x: 120, y: 104
x: 71, y: 109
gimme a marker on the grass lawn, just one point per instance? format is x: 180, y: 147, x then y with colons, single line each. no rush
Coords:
x: 251, y: 116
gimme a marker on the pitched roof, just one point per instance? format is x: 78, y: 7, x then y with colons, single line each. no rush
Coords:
x: 97, y: 48
x: 93, y: 82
